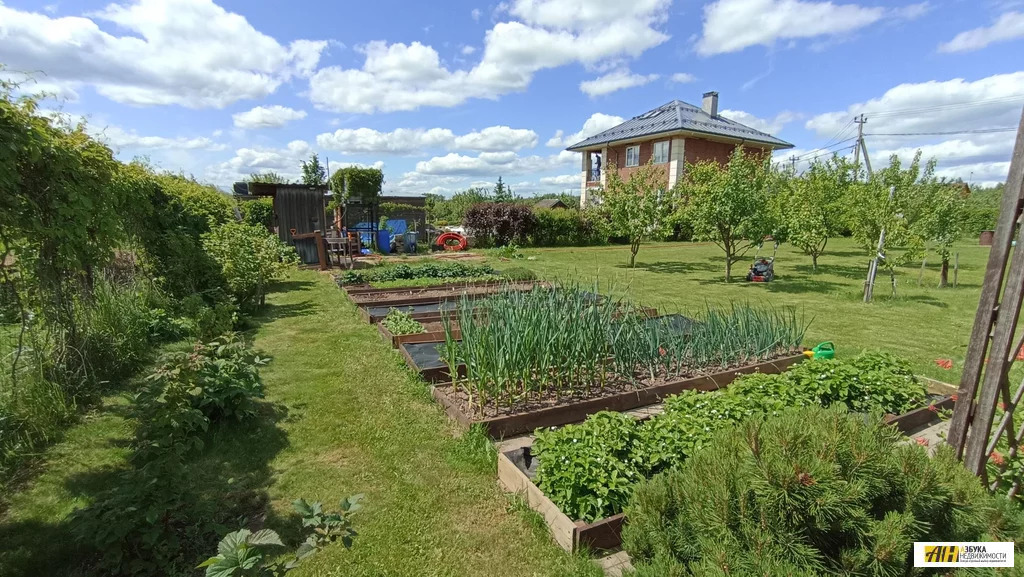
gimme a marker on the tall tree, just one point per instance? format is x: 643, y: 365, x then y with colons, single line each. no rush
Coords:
x: 813, y: 206
x: 889, y: 201
x: 640, y: 208
x: 944, y: 219
x: 502, y: 192
x: 731, y: 205
x: 313, y: 173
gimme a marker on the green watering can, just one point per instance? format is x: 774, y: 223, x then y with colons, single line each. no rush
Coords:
x: 826, y: 350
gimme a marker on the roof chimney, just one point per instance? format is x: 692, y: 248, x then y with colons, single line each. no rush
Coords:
x: 710, y: 104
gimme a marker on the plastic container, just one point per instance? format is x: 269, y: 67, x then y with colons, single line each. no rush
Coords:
x: 384, y: 241
x: 825, y: 350
x: 410, y: 241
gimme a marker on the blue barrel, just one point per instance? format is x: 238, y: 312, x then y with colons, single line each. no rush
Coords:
x: 384, y: 241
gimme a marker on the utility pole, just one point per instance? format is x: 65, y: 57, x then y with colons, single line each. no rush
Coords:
x: 861, y: 121
x: 792, y: 159
x: 869, y: 285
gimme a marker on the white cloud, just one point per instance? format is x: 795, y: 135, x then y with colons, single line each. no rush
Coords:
x: 598, y: 122
x: 267, y: 117
x: 769, y: 125
x: 187, y: 52
x: 563, y: 179
x: 475, y: 14
x: 614, y: 81
x: 683, y: 77
x: 732, y: 25
x: 467, y: 50
x: 934, y: 106
x: 1009, y: 26
x: 119, y: 138
x: 492, y: 164
x: 497, y: 138
x: 548, y: 34
x: 897, y: 118
x: 412, y: 140
x: 285, y: 161
x: 399, y: 141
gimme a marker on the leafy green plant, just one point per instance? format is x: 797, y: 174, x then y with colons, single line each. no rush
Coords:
x: 140, y: 525
x: 813, y: 206
x: 872, y: 382
x: 509, y: 251
x: 811, y: 492
x: 589, y: 466
x: 401, y: 323
x: 244, y: 553
x: 221, y: 379
x: 438, y: 270
x: 250, y: 258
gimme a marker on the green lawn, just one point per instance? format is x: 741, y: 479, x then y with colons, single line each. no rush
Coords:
x: 922, y: 324
x: 344, y: 416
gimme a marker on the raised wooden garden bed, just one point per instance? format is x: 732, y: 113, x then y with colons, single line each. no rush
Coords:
x: 431, y: 307
x: 562, y: 414
x: 365, y: 289
x: 516, y: 468
x: 434, y: 333
x: 435, y: 294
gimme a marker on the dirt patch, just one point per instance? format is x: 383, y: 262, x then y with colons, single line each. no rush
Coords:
x: 438, y: 293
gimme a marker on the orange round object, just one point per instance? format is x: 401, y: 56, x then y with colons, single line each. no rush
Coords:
x: 460, y: 241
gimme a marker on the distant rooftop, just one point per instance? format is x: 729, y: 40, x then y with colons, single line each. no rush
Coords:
x: 675, y: 116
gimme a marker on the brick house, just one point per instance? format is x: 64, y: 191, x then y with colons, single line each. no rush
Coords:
x: 672, y: 134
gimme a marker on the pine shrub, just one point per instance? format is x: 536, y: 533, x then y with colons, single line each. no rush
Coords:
x: 810, y: 492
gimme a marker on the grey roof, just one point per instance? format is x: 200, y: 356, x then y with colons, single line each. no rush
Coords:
x: 550, y: 203
x: 678, y: 115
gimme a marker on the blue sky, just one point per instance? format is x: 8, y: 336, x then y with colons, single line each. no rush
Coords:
x: 445, y: 96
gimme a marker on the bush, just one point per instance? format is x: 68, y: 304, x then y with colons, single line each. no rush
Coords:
x: 518, y: 274
x: 258, y: 212
x: 499, y: 223
x: 438, y: 270
x: 812, y: 492
x: 250, y: 258
x: 565, y: 227
x: 221, y: 378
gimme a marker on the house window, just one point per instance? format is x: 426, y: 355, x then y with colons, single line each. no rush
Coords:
x: 661, y: 152
x: 633, y: 155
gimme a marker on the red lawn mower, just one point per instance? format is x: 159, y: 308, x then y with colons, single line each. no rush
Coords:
x: 763, y: 269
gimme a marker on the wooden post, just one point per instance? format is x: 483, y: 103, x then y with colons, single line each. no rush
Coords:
x: 920, y: 275
x: 978, y: 416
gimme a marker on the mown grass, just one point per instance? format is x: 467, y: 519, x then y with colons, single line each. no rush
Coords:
x: 343, y: 415
x: 921, y: 323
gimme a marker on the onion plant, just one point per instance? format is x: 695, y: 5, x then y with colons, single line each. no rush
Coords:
x: 550, y: 343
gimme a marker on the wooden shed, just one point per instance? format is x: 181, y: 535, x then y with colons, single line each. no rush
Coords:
x: 298, y: 208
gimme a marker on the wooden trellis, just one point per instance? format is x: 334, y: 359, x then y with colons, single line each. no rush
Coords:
x: 995, y: 341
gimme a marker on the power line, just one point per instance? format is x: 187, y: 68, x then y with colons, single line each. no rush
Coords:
x: 825, y: 149
x: 946, y: 133
x: 948, y: 106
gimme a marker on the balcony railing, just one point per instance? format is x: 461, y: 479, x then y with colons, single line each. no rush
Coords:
x: 594, y: 175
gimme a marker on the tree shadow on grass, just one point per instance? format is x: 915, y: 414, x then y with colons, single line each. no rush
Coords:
x: 228, y: 482
x: 842, y: 270
x: 671, y: 267
x: 290, y: 285
x: 271, y: 312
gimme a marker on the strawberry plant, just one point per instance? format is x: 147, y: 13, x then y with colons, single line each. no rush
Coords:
x: 244, y: 553
x: 401, y: 323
